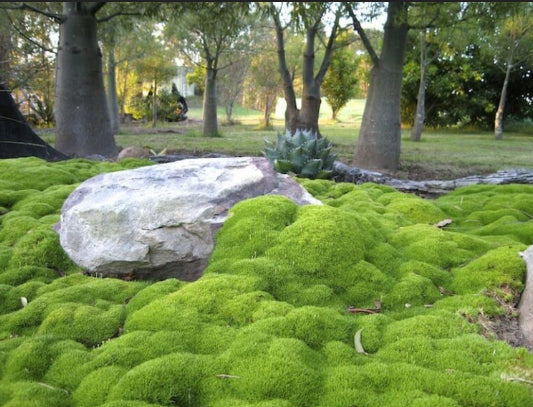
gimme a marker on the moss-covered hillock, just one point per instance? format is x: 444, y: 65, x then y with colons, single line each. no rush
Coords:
x: 268, y: 325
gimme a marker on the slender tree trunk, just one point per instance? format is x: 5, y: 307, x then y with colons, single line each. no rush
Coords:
x: 420, y: 116
x: 229, y: 112
x: 82, y: 119
x: 269, y: 107
x: 154, y: 106
x: 112, y: 99
x: 334, y: 114
x: 498, y: 120
x: 378, y: 146
x: 210, y: 104
x: 291, y: 111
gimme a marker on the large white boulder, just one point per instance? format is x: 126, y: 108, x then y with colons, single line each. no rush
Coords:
x: 160, y: 221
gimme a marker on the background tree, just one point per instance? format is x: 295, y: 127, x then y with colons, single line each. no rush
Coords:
x: 379, y: 140
x: 82, y: 121
x: 197, y: 77
x: 263, y: 80
x: 437, y: 28
x: 340, y: 82
x: 210, y: 30
x: 32, y: 57
x: 514, y: 38
x: 230, y: 85
x: 157, y: 68
x: 309, y: 18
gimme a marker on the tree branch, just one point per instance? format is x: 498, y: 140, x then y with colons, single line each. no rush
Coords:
x: 24, y: 6
x: 288, y: 89
x: 117, y: 14
x: 27, y: 38
x: 96, y: 7
x: 362, y: 34
x: 329, y: 49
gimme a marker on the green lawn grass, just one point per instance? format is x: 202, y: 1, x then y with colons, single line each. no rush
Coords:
x: 442, y: 154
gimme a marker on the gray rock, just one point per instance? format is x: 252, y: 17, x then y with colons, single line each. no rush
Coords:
x: 160, y: 221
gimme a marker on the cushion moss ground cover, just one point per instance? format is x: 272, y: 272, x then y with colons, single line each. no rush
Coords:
x: 267, y: 325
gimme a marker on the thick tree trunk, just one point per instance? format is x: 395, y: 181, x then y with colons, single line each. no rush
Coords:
x: 112, y: 99
x: 498, y: 120
x: 307, y: 117
x: 378, y: 146
x: 420, y: 116
x: 17, y: 139
x: 210, y: 104
x: 82, y: 120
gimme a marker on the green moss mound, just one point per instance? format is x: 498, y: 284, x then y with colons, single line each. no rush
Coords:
x: 269, y: 324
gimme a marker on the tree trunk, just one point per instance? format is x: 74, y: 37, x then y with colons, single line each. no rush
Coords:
x: 269, y: 106
x: 498, y: 120
x: 112, y: 100
x: 82, y: 119
x: 420, y: 116
x: 210, y: 104
x: 154, y: 106
x: 229, y: 112
x: 307, y: 117
x: 17, y: 139
x: 379, y: 140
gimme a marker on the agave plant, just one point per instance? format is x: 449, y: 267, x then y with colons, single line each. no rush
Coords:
x: 303, y: 154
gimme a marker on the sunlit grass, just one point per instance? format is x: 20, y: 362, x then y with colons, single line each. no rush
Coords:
x: 442, y: 154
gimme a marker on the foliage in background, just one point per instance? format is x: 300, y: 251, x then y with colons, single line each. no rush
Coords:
x: 341, y: 80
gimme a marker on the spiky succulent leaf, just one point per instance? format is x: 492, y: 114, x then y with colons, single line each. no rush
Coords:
x: 311, y: 168
x: 284, y: 166
x: 301, y: 153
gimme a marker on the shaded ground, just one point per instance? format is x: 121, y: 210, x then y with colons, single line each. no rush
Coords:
x: 505, y: 327
x: 418, y: 172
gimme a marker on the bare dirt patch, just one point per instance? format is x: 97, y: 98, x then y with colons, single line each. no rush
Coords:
x: 504, y: 327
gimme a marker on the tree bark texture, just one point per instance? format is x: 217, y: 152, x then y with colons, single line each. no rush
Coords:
x: 82, y: 119
x: 378, y: 146
x: 305, y: 118
x: 420, y: 116
x: 498, y: 120
x: 270, y: 99
x: 112, y: 99
x: 17, y: 139
x: 210, y: 104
